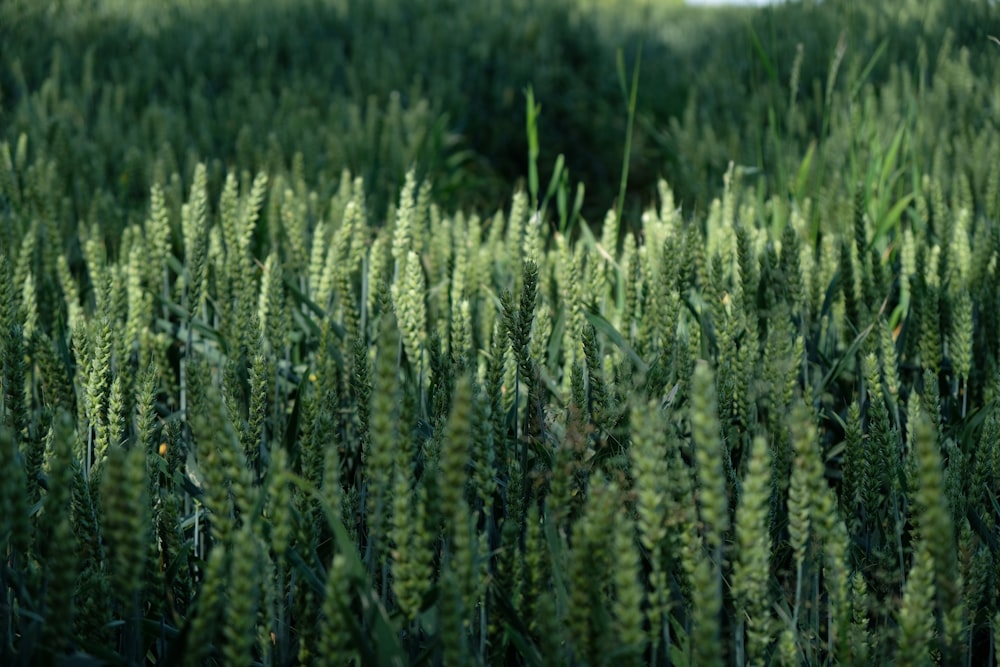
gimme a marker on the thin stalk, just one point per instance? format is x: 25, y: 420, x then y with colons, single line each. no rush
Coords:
x: 816, y: 612
x: 131, y: 645
x: 665, y: 632
x: 830, y: 633
x: 965, y: 396
x: 363, y: 306
x: 196, y: 547
x: 532, y: 122
x: 282, y: 629
x: 385, y: 582
x: 898, y: 516
x: 365, y: 528
x: 798, y: 596
x: 632, y: 97
x: 482, y: 629
x: 739, y: 632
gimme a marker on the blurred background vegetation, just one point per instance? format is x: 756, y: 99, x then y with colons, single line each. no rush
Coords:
x: 378, y: 86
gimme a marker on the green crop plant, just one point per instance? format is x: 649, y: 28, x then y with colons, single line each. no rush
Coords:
x: 286, y: 381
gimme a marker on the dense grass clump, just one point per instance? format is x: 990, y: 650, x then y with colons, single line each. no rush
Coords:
x: 312, y: 350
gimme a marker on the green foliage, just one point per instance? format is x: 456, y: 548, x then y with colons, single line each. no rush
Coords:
x: 273, y: 393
